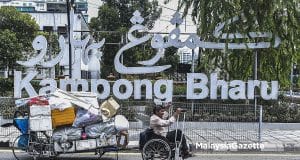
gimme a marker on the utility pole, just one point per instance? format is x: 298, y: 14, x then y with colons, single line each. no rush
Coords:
x: 69, y: 5
x: 193, y: 70
x: 255, y: 78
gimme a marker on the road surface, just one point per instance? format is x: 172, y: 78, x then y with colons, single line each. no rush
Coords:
x: 7, y: 155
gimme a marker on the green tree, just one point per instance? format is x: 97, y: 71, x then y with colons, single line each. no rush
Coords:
x: 172, y: 58
x: 281, y: 17
x: 17, y: 31
x: 114, y: 16
x: 10, y: 48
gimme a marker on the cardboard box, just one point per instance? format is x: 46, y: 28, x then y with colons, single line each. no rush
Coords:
x: 65, y: 117
x: 40, y: 123
x: 86, y: 144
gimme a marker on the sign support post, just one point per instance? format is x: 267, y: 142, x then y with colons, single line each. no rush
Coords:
x: 69, y: 36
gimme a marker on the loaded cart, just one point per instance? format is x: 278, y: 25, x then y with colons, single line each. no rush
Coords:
x: 68, y: 122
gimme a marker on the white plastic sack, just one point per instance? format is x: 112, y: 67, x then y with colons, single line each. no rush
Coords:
x: 67, y: 134
x: 88, y: 97
x: 84, y: 118
x: 121, y: 123
x: 96, y: 130
x: 80, y: 102
x: 59, y: 103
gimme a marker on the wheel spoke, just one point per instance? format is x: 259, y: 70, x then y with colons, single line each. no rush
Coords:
x: 156, y: 149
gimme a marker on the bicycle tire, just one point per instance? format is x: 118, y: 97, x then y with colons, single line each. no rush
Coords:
x: 29, y: 150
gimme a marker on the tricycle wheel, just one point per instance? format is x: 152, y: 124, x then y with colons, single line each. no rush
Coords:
x: 26, y: 146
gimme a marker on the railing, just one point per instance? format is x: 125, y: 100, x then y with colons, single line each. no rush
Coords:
x: 205, y: 122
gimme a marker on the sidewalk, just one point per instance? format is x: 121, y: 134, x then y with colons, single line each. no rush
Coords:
x: 272, y: 140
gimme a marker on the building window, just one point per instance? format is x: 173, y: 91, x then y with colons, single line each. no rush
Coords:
x: 185, y: 57
x: 62, y: 31
x: 25, y: 9
x: 48, y: 28
x: 40, y: 4
x: 56, y: 7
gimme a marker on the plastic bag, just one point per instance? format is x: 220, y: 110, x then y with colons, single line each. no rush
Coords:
x: 67, y: 134
x: 23, y: 141
x: 40, y: 100
x: 96, y: 130
x: 21, y: 122
x: 59, y: 103
x: 84, y: 118
x: 21, y: 102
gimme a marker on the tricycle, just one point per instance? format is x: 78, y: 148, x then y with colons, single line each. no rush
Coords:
x: 45, y: 134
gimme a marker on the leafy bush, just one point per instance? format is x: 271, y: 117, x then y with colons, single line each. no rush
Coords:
x: 282, y: 112
x: 179, y: 90
x: 6, y: 87
x: 7, y: 107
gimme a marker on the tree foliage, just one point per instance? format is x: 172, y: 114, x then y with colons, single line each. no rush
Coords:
x: 114, y: 16
x: 17, y: 30
x: 22, y: 24
x: 172, y: 58
x: 10, y: 48
x: 281, y: 17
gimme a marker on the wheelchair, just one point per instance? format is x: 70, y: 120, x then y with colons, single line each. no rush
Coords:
x: 153, y: 146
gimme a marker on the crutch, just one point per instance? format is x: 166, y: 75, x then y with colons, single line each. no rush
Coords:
x: 178, y: 145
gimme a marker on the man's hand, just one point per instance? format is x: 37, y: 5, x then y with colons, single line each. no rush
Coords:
x: 179, y: 110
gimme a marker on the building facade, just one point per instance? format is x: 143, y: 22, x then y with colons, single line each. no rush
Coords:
x: 51, y: 16
x: 44, y: 5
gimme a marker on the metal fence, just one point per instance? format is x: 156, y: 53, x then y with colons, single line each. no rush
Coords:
x: 209, y: 123
x: 7, y: 111
x: 205, y: 122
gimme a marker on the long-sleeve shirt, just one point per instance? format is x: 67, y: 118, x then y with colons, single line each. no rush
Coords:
x: 159, y: 125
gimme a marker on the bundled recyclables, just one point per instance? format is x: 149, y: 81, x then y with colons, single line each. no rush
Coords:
x: 67, y: 134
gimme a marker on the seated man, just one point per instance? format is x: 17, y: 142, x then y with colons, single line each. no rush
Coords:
x: 160, y: 127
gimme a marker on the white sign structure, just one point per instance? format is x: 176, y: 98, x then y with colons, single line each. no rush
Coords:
x: 199, y: 86
x: 79, y: 47
x: 137, y: 20
x: 192, y: 42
